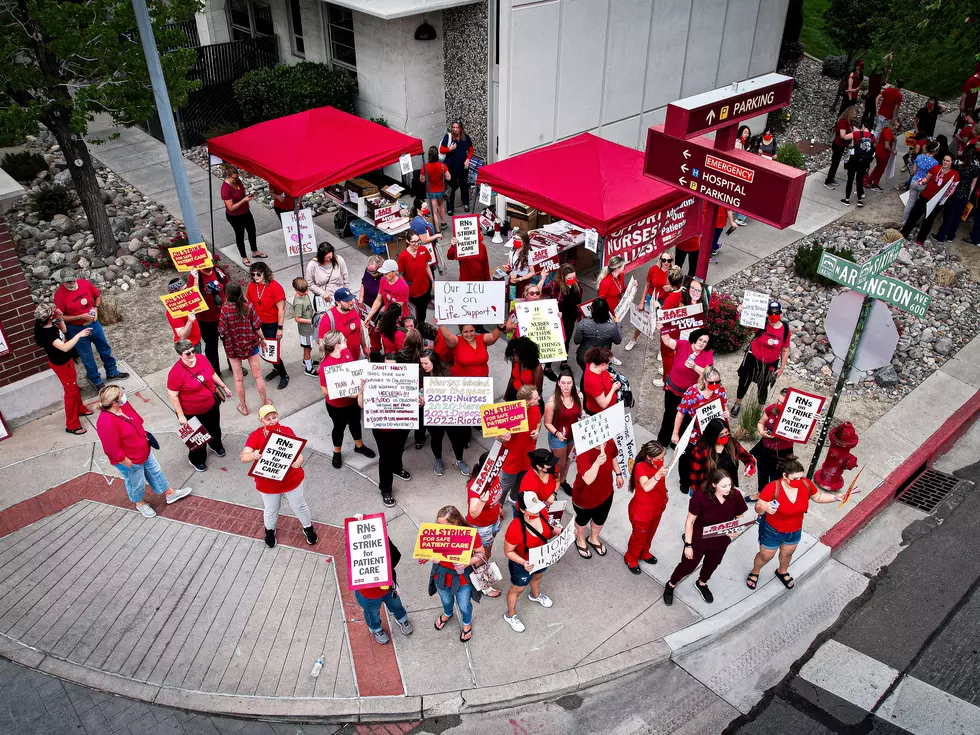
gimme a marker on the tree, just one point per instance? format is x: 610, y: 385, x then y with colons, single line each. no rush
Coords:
x: 851, y: 24
x: 65, y: 60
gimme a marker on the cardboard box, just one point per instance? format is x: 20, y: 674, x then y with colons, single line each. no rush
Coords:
x: 361, y: 187
x: 525, y: 222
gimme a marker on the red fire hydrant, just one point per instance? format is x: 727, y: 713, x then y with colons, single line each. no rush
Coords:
x: 843, y: 439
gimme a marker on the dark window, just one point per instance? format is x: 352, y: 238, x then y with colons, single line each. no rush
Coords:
x: 296, y: 28
x: 340, y: 33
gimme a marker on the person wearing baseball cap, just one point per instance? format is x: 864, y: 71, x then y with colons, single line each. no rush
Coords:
x: 344, y: 317
x: 530, y: 529
x: 765, y: 358
x: 393, y: 289
x: 184, y: 327
x: 542, y: 479
x: 273, y: 491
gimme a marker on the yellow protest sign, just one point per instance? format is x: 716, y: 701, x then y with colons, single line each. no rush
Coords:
x: 439, y: 542
x: 187, y: 257
x: 541, y: 321
x: 184, y: 302
x: 497, y: 419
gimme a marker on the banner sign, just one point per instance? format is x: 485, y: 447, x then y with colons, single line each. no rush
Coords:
x: 193, y: 434
x: 755, y: 305
x: 723, y: 529
x: 713, y: 409
x: 439, y: 542
x: 682, y: 317
x: 599, y: 428
x: 541, y: 321
x: 469, y: 302
x: 645, y: 321
x: 466, y: 230
x: 278, y: 454
x: 344, y: 380
x: 625, y: 446
x: 641, y: 241
x: 269, y: 350
x: 497, y: 419
x: 489, y: 476
x: 294, y: 235
x: 391, y: 396
x: 799, y: 416
x: 184, y: 302
x: 626, y: 302
x: 368, y: 560
x: 543, y: 557
x: 455, y: 401
x: 188, y: 257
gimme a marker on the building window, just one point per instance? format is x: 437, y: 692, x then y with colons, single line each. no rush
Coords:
x: 340, y: 37
x: 296, y: 28
x: 250, y: 18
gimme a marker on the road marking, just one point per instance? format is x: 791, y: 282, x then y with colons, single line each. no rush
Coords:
x: 922, y: 709
x: 849, y: 674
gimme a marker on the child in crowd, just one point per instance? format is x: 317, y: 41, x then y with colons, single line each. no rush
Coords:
x: 303, y: 314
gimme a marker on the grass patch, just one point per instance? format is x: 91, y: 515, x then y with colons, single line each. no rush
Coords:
x: 814, y: 36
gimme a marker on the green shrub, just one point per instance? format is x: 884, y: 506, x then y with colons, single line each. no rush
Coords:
x: 380, y: 121
x: 789, y: 154
x: 52, y: 199
x: 807, y: 261
x: 748, y: 419
x: 834, y: 66
x: 217, y: 129
x: 265, y: 94
x: 727, y: 335
x: 24, y: 166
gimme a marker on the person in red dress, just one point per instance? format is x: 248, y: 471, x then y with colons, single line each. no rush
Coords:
x: 649, y: 489
x: 269, y: 301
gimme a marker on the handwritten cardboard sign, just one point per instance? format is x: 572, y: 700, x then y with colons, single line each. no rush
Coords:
x: 496, y: 419
x: 344, y: 380
x: 439, y: 542
x: 269, y: 350
x: 541, y: 321
x: 455, y: 401
x: 550, y: 553
x: 599, y: 428
x: 296, y: 234
x: 184, y: 302
x: 645, y: 321
x: 713, y: 409
x: 799, y: 415
x: 626, y: 446
x: 466, y: 230
x: 368, y: 558
x: 188, y: 257
x: 469, y: 302
x: 391, y: 396
x: 682, y: 317
x: 278, y: 454
x: 626, y: 302
x: 193, y: 434
x: 754, y: 308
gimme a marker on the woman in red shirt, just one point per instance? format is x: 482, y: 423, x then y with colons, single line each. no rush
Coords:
x: 653, y: 290
x: 236, y: 201
x: 451, y: 581
x: 691, y: 357
x: 194, y: 388
x: 938, y: 177
x: 765, y: 358
x: 885, y: 148
x: 269, y: 300
x: 592, y: 495
x: 240, y: 329
x: 541, y: 479
x: 598, y: 385
x: 611, y: 282
x: 343, y: 412
x: 529, y: 530
x: 484, y: 509
x: 413, y: 262
x: 649, y: 489
x: 562, y: 410
x: 470, y: 356
x: 471, y: 267
x: 781, y: 507
x: 434, y: 175
x: 675, y: 296
x: 520, y: 443
x: 771, y: 449
x: 432, y: 367
x: 525, y: 368
x: 392, y: 328
x: 843, y: 133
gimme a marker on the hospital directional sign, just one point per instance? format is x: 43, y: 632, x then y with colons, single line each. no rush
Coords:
x: 728, y: 105
x: 758, y: 187
x: 889, y: 290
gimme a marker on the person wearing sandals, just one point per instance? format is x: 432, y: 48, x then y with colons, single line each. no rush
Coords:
x: 649, y: 489
x: 781, y: 507
x: 541, y: 479
x: 715, y: 503
x: 432, y: 367
x: 391, y: 449
x: 269, y: 301
x: 530, y: 529
x: 334, y: 349
x: 196, y: 392
x: 128, y: 446
x: 451, y: 581
x: 592, y: 495
x: 484, y: 511
x: 49, y: 335
x: 371, y: 599
x: 717, y: 450
x: 562, y: 410
x: 236, y: 201
x: 771, y: 449
x: 241, y: 332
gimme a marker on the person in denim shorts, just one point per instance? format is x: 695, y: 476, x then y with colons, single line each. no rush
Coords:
x: 530, y: 529
x: 484, y: 511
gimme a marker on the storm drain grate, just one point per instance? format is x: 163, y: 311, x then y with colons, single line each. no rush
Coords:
x: 928, y: 490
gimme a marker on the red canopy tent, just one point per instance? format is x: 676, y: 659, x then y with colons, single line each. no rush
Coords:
x: 310, y: 150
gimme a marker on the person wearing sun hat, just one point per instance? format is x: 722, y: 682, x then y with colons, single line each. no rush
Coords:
x: 530, y: 529
x: 765, y: 357
x: 273, y: 491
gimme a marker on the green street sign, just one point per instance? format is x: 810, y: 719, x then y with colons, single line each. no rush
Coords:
x: 839, y: 270
x: 882, y: 259
x: 896, y: 293
x: 883, y: 288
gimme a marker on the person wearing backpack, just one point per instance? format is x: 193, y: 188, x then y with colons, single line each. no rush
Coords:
x: 765, y: 358
x: 862, y: 156
x: 345, y: 318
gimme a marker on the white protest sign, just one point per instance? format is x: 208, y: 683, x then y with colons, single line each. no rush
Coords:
x: 626, y: 446
x: 469, y: 302
x: 592, y: 241
x: 455, y: 401
x: 391, y: 396
x: 938, y: 198
x: 304, y: 233
x: 541, y: 321
x: 623, y: 307
x: 599, y: 428
x: 485, y: 195
x: 682, y: 317
x: 538, y: 256
x: 543, y: 557
x: 279, y: 452
x: 344, y: 380
x: 644, y: 320
x: 466, y: 230
x: 488, y: 478
x: 269, y: 350
x: 680, y: 448
x: 193, y: 434
x: 708, y: 411
x: 405, y: 164
x: 799, y: 415
x: 754, y: 308
x: 723, y: 529
x: 368, y: 560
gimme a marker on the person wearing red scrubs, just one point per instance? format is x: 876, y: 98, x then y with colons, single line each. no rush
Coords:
x: 649, y: 488
x: 541, y: 479
x: 598, y: 385
x: 469, y: 350
x: 413, y: 262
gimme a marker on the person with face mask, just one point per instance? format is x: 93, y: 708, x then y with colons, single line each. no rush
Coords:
x: 273, y: 491
x: 765, y: 358
x: 649, y: 489
x: 128, y: 447
x: 530, y: 529
x: 541, y: 479
x: 691, y: 358
x: 771, y: 449
x: 717, y: 449
x: 707, y: 389
x: 781, y: 507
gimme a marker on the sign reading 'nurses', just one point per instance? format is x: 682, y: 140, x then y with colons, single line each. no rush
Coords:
x: 641, y: 241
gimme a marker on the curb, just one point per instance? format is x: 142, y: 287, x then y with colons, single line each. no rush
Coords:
x: 952, y: 429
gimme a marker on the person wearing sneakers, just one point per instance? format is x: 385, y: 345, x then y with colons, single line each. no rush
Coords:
x: 562, y: 410
x: 765, y: 358
x: 391, y: 447
x: 530, y: 529
x: 268, y: 298
x: 520, y: 443
x: 484, y: 509
x: 184, y: 327
x: 343, y: 412
x: 49, y: 335
x: 451, y: 581
x: 592, y: 495
x: 303, y: 316
x: 654, y: 289
x: 273, y: 491
x: 128, y: 447
x: 196, y: 391
x: 649, y: 489
x: 716, y: 503
x: 433, y: 367
x: 372, y: 598
x: 843, y: 133
x: 862, y: 156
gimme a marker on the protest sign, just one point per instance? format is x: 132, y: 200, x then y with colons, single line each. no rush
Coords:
x: 466, y: 230
x: 799, y: 416
x: 599, y: 428
x: 680, y: 448
x: 455, y: 401
x: 277, y: 455
x: 269, y: 350
x: 193, y: 434
x: 543, y: 557
x: 489, y: 475
x: 439, y: 542
x: 537, y: 256
x: 541, y: 321
x: 626, y: 446
x: 723, y: 529
x: 754, y: 308
x: 557, y: 510
x: 386, y: 213
x: 640, y: 242
x: 713, y: 409
x: 469, y: 302
x: 391, y: 396
x: 645, y: 321
x: 368, y: 559
x: 405, y: 164
x: 682, y: 317
x: 344, y: 380
x: 623, y: 307
x: 295, y: 234
x: 496, y: 419
x: 187, y: 257
x: 184, y: 302
x: 485, y: 194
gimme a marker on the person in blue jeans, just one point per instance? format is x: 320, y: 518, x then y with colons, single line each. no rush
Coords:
x: 79, y: 301
x: 451, y: 581
x: 372, y: 598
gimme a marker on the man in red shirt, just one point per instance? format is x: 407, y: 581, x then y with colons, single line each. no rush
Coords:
x: 392, y: 289
x: 79, y: 301
x: 345, y: 318
x: 413, y: 262
x: 211, y: 283
x: 889, y: 101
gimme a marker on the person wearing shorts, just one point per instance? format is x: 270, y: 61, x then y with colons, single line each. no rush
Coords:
x: 592, y: 495
x: 484, y: 511
x: 530, y: 529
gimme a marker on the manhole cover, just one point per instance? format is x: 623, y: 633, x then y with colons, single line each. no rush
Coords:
x: 928, y: 490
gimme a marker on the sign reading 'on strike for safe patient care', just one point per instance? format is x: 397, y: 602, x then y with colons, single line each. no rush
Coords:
x: 440, y: 542
x: 391, y: 396
x: 278, y: 454
x: 184, y: 302
x: 469, y: 302
x: 455, y: 401
x: 497, y: 419
x: 368, y: 560
x: 189, y: 257
x: 799, y: 415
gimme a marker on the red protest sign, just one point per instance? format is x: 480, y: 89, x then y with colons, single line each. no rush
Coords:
x: 681, y: 317
x: 184, y: 302
x: 368, y: 555
x: 277, y: 456
x: 642, y: 241
x: 193, y: 434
